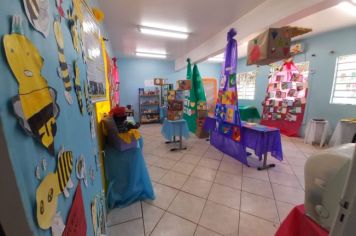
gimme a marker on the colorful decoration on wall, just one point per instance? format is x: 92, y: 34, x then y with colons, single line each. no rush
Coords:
x: 78, y: 88
x: 98, y: 14
x: 35, y: 106
x: 57, y: 226
x: 51, y: 187
x: 114, y: 83
x: 226, y: 111
x: 77, y: 9
x: 63, y: 70
x: 76, y: 222
x: 94, y: 216
x: 59, y: 7
x: 88, y: 103
x: 80, y: 168
x: 286, y: 96
x: 38, y: 13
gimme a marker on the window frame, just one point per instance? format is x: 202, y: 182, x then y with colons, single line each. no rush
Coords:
x: 254, y: 87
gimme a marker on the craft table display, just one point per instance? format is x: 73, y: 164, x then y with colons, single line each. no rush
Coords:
x: 345, y: 132
x: 286, y: 98
x: 261, y: 139
x: 175, y: 128
x: 298, y: 224
x: 317, y: 132
x: 126, y: 174
x: 248, y: 113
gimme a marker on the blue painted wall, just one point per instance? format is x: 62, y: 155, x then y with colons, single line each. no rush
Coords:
x: 134, y: 71
x: 73, y: 130
x: 320, y: 83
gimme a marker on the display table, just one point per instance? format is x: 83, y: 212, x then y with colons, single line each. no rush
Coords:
x: 261, y: 139
x: 345, y: 132
x: 298, y: 224
x: 126, y: 176
x: 317, y: 132
x: 248, y: 113
x: 175, y: 128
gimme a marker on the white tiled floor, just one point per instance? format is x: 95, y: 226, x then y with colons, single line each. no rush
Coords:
x: 202, y: 192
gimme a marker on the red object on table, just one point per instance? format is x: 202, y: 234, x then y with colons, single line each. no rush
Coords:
x: 298, y: 224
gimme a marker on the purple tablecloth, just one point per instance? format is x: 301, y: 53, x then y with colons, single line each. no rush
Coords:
x: 261, y: 139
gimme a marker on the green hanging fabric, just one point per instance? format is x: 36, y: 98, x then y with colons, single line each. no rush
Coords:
x: 198, y: 85
x: 190, y: 102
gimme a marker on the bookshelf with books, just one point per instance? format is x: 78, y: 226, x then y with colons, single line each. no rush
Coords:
x: 149, y: 104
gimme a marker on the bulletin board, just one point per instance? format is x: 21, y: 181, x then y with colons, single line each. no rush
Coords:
x: 93, y: 55
x: 286, y: 97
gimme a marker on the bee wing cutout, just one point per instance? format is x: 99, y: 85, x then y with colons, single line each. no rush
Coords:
x: 56, y: 109
x: 16, y: 103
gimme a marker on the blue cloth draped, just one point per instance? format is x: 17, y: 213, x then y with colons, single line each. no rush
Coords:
x: 171, y: 128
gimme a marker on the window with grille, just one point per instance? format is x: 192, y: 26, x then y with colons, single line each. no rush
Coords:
x: 246, y: 84
x: 344, y: 86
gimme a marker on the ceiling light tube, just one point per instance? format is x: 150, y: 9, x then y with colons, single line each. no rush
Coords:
x: 163, y: 33
x: 141, y: 54
x: 347, y: 7
x: 216, y: 59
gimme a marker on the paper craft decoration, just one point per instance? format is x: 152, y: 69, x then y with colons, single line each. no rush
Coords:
x: 35, y: 105
x: 158, y: 81
x: 63, y: 70
x: 57, y: 226
x: 81, y: 171
x: 38, y: 13
x: 78, y: 88
x: 226, y: 111
x: 52, y: 185
x: 184, y: 84
x: 59, y: 7
x: 76, y: 222
x: 289, y: 100
x: 88, y: 103
x: 270, y: 46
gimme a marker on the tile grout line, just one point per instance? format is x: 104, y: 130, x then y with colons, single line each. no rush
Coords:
x: 143, y: 220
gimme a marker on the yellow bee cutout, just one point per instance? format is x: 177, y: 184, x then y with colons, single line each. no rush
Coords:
x: 51, y: 187
x: 35, y: 105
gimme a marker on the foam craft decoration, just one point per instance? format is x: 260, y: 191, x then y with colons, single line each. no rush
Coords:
x: 59, y: 7
x: 57, y: 226
x: 63, y: 70
x: 38, y: 13
x: 35, y: 106
x: 76, y: 222
x: 270, y: 46
x: 94, y: 216
x: 78, y: 88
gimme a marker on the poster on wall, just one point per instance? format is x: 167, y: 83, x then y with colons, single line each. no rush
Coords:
x: 286, y: 97
x: 93, y: 55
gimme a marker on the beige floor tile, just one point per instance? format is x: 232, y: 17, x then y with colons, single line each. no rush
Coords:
x: 120, y: 215
x: 253, y: 226
x: 164, y: 196
x: 204, y: 173
x: 213, y: 155
x: 150, y: 159
x: 132, y: 228
x: 151, y: 216
x: 288, y: 194
x: 231, y: 168
x: 176, y: 155
x: 184, y: 168
x: 297, y: 161
x: 198, y: 187
x: 201, y: 231
x: 197, y: 150
x: 230, y: 180
x: 283, y: 209
x: 173, y: 225
x: 259, y: 206
x: 219, y: 218
x: 174, y: 179
x: 284, y: 168
x: 156, y: 173
x: 209, y: 163
x: 257, y: 186
x: 255, y: 174
x: 187, y: 206
x: 191, y: 159
x: 165, y: 163
x: 225, y: 195
x: 284, y: 179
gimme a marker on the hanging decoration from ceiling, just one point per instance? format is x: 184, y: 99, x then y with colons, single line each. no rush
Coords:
x: 35, y: 106
x: 63, y: 70
x: 286, y: 97
x: 189, y: 110
x: 114, y: 82
x: 78, y: 88
x: 51, y: 187
x: 76, y: 222
x: 38, y: 13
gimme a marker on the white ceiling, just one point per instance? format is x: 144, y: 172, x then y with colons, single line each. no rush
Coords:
x: 202, y: 18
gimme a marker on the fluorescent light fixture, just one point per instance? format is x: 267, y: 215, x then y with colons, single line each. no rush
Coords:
x: 217, y: 58
x: 141, y: 54
x: 163, y: 32
x: 151, y: 51
x: 347, y: 7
